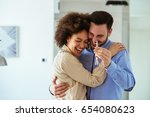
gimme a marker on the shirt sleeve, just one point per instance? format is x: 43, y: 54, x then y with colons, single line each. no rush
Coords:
x: 75, y: 70
x: 120, y: 71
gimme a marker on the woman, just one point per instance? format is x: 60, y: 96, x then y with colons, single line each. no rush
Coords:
x: 72, y: 37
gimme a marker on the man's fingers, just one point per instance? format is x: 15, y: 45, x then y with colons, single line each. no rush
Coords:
x: 61, y: 86
x: 61, y: 89
x: 60, y: 92
x: 61, y: 95
x: 54, y: 80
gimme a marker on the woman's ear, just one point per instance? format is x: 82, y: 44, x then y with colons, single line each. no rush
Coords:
x: 68, y: 39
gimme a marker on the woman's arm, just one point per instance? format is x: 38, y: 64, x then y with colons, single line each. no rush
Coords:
x: 75, y: 70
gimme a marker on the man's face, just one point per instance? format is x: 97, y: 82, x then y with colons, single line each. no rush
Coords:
x: 99, y: 33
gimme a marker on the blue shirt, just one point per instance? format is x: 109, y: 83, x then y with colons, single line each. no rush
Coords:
x: 119, y: 75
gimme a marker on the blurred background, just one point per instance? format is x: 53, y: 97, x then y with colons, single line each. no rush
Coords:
x: 28, y: 75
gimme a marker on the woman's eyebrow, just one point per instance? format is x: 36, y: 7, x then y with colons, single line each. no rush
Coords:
x: 79, y: 38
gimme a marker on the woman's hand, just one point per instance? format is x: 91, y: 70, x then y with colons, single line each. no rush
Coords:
x: 115, y: 48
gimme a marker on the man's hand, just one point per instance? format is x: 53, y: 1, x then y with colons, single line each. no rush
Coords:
x: 103, y: 54
x: 60, y: 89
x: 115, y: 48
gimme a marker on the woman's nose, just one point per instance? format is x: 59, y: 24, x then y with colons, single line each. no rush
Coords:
x: 82, y: 45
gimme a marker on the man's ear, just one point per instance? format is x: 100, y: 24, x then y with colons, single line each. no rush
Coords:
x: 109, y: 32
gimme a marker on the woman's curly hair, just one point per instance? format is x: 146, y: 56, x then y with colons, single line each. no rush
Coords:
x: 70, y: 24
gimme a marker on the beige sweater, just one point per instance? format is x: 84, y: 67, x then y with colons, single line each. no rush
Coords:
x: 68, y: 69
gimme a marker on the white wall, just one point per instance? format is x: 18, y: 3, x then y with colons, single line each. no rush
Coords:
x: 139, y: 47
x: 26, y: 76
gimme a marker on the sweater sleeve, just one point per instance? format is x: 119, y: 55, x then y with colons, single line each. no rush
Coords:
x: 75, y: 70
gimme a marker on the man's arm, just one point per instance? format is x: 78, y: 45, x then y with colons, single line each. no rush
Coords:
x: 120, y: 71
x: 58, y: 90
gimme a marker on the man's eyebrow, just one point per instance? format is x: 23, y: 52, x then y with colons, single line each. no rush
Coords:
x: 100, y: 35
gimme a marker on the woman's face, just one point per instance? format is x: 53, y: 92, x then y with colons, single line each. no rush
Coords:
x: 77, y: 42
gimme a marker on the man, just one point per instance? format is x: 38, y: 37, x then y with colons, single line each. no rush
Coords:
x: 119, y: 74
